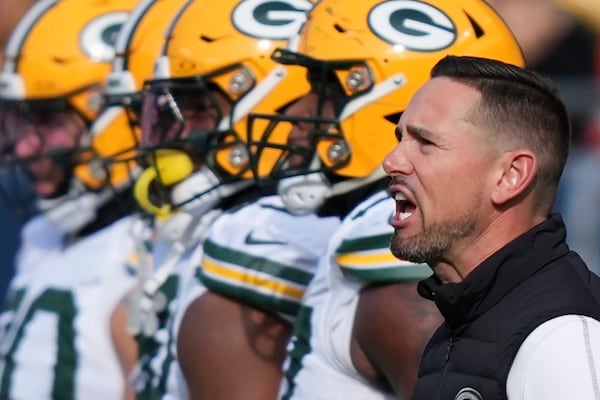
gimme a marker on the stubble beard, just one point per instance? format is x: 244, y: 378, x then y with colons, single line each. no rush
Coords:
x: 434, y: 241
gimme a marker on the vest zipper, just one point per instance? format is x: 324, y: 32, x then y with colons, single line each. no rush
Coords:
x: 449, y: 348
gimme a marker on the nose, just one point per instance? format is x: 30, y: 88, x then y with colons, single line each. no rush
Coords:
x: 396, y: 163
x: 303, y: 110
x: 300, y: 134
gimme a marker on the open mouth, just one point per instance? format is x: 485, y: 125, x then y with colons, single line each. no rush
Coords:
x: 404, y: 207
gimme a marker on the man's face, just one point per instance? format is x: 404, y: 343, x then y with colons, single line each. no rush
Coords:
x: 441, y: 171
x: 39, y: 140
x: 304, y: 115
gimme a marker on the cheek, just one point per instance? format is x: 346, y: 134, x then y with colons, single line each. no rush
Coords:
x: 468, y: 181
x: 206, y: 121
x: 450, y: 184
x: 28, y: 145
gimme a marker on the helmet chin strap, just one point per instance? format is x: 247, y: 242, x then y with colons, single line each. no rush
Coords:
x: 205, y: 192
x: 193, y: 197
x: 170, y: 167
x: 202, y: 191
x: 304, y: 194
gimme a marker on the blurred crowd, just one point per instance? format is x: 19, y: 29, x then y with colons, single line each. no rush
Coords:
x: 560, y: 39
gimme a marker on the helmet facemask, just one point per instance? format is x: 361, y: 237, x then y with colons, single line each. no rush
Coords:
x: 304, y: 146
x: 188, y: 118
x: 225, y: 46
x: 181, y: 114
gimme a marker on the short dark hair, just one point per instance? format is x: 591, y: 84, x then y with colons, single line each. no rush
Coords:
x: 520, y: 107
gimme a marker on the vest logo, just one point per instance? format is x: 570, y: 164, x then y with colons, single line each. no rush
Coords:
x: 97, y: 39
x: 412, y: 24
x: 468, y: 393
x: 270, y: 19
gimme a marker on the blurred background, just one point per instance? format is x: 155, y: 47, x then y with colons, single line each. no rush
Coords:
x: 560, y: 38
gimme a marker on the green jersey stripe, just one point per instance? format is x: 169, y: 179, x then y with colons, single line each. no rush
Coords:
x: 365, y: 244
x: 226, y: 255
x: 251, y: 296
x: 405, y: 273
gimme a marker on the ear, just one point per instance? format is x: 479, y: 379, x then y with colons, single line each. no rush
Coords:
x: 518, y: 170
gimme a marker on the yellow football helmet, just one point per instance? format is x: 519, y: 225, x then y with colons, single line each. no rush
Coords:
x: 137, y: 46
x: 377, y: 52
x: 216, y: 65
x: 57, y: 61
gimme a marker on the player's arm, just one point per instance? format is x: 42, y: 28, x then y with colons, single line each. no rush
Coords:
x: 125, y: 345
x: 228, y: 350
x: 233, y: 339
x: 391, y: 328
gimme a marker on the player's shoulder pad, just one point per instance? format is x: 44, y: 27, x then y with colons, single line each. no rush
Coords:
x: 264, y: 255
x: 363, y: 252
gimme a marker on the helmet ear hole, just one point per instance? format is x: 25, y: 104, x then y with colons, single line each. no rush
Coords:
x: 394, y: 117
x: 479, y: 32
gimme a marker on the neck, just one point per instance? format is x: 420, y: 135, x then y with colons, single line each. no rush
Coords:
x: 467, y: 254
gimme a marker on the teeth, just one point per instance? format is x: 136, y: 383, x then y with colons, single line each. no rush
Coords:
x: 400, y: 196
x: 404, y: 215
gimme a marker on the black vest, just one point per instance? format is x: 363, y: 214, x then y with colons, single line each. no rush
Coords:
x: 490, y: 313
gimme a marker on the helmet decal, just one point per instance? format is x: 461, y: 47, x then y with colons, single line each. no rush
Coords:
x: 412, y: 24
x: 98, y: 37
x: 270, y: 19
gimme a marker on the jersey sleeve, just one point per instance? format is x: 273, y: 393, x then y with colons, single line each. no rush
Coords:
x: 365, y: 254
x: 264, y: 256
x: 559, y: 360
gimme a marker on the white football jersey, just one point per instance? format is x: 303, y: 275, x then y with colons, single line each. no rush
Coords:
x: 157, y: 374
x: 56, y: 341
x: 319, y: 364
x: 263, y: 255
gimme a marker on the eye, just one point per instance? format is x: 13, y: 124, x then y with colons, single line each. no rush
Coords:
x: 425, y: 142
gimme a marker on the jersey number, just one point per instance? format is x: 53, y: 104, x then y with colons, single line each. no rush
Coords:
x: 300, y: 348
x: 56, y: 310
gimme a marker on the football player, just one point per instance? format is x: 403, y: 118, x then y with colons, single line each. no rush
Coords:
x: 64, y: 326
x: 362, y: 325
x: 213, y: 69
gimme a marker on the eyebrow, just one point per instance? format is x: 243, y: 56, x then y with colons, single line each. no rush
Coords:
x: 419, y: 132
